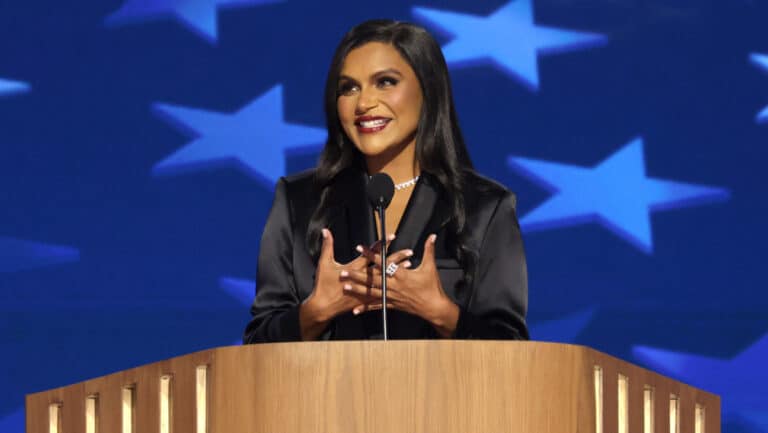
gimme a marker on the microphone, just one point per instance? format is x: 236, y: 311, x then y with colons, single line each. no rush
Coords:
x: 380, y: 190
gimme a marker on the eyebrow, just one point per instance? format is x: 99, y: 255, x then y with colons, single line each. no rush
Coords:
x: 374, y: 75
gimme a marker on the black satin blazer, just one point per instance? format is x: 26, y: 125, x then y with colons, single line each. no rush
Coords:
x: 493, y: 307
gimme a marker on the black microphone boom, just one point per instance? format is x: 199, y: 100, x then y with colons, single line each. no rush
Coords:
x: 380, y: 191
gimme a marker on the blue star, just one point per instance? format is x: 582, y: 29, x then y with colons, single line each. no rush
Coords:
x: 197, y: 15
x: 761, y: 60
x: 241, y: 290
x: 741, y: 381
x: 563, y: 330
x: 616, y: 193
x: 9, y: 87
x: 508, y: 37
x: 17, y: 254
x: 255, y: 138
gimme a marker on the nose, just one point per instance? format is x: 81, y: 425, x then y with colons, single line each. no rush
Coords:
x: 366, y: 101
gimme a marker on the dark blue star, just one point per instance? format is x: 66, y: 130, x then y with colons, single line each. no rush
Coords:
x: 616, y: 193
x: 9, y: 87
x: 17, y: 254
x: 197, y: 15
x: 507, y: 37
x: 254, y: 138
x: 741, y: 380
x: 761, y: 60
x: 13, y: 423
x: 564, y: 330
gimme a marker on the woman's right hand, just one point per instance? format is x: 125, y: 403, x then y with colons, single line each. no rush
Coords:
x: 328, y: 298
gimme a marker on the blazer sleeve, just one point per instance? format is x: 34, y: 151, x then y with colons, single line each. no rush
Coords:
x: 499, y: 301
x: 275, y: 311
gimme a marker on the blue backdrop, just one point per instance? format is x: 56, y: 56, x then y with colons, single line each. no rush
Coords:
x: 141, y: 140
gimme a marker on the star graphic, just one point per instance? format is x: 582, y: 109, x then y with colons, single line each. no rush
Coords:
x: 564, y: 329
x: 14, y: 422
x: 255, y: 138
x: 740, y: 381
x: 197, y: 15
x: 616, y: 193
x: 240, y: 290
x: 507, y: 37
x: 761, y: 60
x: 9, y: 87
x: 18, y: 254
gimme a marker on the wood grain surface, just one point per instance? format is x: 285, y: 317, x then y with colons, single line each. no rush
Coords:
x: 377, y: 386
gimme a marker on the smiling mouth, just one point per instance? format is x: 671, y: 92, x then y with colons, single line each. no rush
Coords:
x: 367, y: 126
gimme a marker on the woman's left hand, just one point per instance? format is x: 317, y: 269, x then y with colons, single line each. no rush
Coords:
x: 415, y: 291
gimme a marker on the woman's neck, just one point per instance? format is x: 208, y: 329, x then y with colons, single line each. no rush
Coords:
x: 401, y: 167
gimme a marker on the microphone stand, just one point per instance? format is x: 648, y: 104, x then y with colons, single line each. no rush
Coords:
x: 380, y: 208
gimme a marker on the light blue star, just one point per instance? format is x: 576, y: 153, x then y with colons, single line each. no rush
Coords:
x: 9, y: 87
x: 18, y: 254
x: 508, y: 38
x: 565, y: 329
x: 197, y: 15
x: 741, y: 381
x: 616, y: 193
x: 254, y: 138
x: 761, y: 60
x: 240, y: 290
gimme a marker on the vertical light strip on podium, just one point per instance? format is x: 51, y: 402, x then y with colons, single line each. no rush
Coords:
x: 598, y: 399
x: 165, y: 404
x: 201, y: 399
x: 699, y: 426
x: 54, y: 418
x: 623, y: 403
x: 91, y: 413
x: 648, y: 417
x: 127, y: 400
x: 674, y: 414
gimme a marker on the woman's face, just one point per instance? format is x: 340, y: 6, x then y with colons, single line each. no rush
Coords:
x: 379, y: 99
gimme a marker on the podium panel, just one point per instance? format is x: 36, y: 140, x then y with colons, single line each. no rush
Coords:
x: 376, y: 386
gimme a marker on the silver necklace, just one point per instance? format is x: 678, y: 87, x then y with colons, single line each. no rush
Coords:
x: 406, y: 184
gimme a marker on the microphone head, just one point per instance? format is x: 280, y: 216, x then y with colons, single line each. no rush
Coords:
x: 380, y: 190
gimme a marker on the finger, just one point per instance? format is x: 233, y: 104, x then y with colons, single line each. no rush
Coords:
x: 369, y: 307
x: 362, y: 291
x: 326, y: 250
x: 368, y: 277
x: 429, y: 249
x: 373, y: 253
x: 370, y: 254
x: 399, y: 256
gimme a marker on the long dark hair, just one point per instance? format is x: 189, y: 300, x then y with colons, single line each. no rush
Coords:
x: 440, y: 149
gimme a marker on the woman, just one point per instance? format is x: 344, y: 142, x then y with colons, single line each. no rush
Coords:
x: 460, y: 264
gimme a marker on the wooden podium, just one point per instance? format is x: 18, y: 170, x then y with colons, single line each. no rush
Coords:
x: 377, y: 386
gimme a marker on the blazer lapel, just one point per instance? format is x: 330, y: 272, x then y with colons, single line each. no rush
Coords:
x: 425, y: 214
x: 352, y: 220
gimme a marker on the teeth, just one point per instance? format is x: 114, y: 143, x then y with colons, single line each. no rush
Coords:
x: 373, y: 123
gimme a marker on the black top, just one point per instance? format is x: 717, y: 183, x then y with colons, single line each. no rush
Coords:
x: 493, y: 307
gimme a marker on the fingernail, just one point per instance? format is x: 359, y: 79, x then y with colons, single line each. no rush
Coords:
x: 434, y: 238
x: 359, y: 248
x: 407, y: 264
x: 344, y: 273
x: 347, y: 287
x: 391, y: 237
x: 324, y: 232
x: 356, y: 311
x: 409, y: 253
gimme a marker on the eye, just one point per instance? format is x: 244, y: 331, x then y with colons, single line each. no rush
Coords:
x: 346, y: 88
x: 387, y: 81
